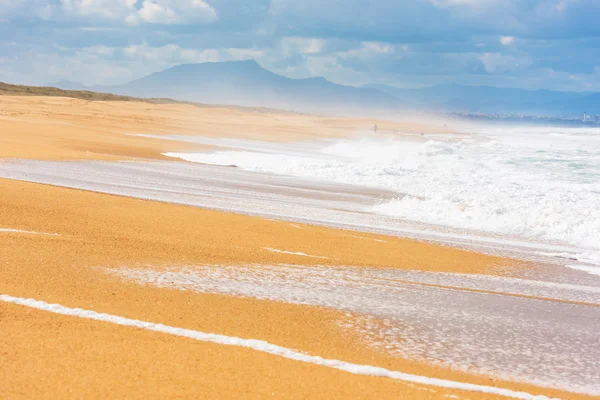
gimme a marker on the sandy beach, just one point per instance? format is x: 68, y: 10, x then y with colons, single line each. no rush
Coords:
x: 75, y: 129
x: 177, y: 256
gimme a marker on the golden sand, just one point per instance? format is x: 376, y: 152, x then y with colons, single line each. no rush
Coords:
x: 63, y: 128
x: 71, y: 358
x: 98, y: 230
x: 48, y: 355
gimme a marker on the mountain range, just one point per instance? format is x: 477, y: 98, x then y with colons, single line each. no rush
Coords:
x: 248, y: 84
x: 494, y: 100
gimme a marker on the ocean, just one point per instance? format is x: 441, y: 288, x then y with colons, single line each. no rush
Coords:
x: 526, y: 193
x: 540, y: 184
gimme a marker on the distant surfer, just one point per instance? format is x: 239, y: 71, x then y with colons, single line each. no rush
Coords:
x: 375, y: 128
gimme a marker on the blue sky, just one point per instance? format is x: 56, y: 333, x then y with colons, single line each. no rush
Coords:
x: 533, y: 44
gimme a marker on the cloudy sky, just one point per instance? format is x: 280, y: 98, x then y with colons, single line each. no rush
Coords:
x: 512, y: 43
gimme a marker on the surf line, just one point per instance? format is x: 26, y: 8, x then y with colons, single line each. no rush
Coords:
x: 266, y: 347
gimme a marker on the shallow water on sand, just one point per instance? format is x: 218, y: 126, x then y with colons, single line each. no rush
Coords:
x: 480, y: 324
x: 273, y: 196
x: 537, y: 183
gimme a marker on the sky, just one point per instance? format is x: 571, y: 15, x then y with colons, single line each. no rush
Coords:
x: 532, y: 44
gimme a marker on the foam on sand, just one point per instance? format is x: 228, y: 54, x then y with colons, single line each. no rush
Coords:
x: 10, y: 230
x: 294, y: 253
x: 266, y: 347
x: 473, y: 323
x: 366, y: 238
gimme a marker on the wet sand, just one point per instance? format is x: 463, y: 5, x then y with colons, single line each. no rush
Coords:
x: 57, y: 244
x: 96, y: 230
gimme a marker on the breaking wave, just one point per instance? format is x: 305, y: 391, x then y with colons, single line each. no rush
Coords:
x: 537, y: 183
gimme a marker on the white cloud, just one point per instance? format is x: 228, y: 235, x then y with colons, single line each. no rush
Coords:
x: 8, y: 4
x: 500, y: 63
x: 175, y: 11
x: 301, y: 45
x: 96, y: 29
x: 107, y: 9
x: 563, y: 5
x: 101, y: 51
x: 369, y: 50
x: 378, y: 47
x: 469, y: 3
x: 171, y: 54
x: 30, y: 8
x: 46, y: 12
x: 103, y: 65
x: 244, y: 54
x: 88, y: 65
x: 150, y: 11
x: 507, y: 40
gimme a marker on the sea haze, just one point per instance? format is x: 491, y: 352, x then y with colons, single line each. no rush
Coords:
x: 246, y: 83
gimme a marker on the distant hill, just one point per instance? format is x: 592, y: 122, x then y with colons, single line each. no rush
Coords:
x: 7, y: 89
x: 589, y: 103
x: 489, y: 99
x: 245, y: 83
x: 68, y: 85
x: 248, y: 84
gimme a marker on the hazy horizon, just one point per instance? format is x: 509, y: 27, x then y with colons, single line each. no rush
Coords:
x: 367, y: 85
x: 548, y: 44
x: 246, y: 83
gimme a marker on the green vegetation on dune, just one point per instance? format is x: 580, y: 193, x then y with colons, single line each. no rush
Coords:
x: 7, y: 89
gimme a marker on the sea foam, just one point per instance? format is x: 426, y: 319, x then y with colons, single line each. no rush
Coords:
x: 536, y: 183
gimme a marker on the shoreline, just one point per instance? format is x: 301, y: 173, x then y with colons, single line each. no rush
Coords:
x: 56, y: 240
x: 75, y: 129
x: 73, y: 283
x: 279, y: 197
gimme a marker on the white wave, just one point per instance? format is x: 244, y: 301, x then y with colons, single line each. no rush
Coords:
x: 586, y: 268
x: 266, y: 347
x: 538, y: 183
